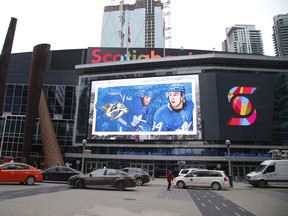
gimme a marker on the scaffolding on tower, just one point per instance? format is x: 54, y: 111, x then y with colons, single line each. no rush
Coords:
x: 121, y: 23
x: 167, y: 22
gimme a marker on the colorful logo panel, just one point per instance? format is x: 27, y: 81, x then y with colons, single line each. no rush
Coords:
x: 242, y: 106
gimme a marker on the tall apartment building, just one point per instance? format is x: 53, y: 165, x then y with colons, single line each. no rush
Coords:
x: 135, y: 25
x: 280, y: 35
x: 243, y: 39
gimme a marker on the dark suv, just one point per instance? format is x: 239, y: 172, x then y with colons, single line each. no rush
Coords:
x: 141, y: 176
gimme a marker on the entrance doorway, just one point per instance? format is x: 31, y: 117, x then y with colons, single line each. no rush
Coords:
x: 240, y: 171
x: 92, y: 165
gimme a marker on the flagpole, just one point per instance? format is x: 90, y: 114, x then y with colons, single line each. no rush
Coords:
x: 164, y: 48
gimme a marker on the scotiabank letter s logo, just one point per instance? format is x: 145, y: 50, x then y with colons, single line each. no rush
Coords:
x: 242, y: 106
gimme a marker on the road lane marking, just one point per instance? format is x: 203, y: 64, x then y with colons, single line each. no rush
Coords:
x: 241, y: 209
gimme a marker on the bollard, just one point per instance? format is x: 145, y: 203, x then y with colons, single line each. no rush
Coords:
x: 230, y: 181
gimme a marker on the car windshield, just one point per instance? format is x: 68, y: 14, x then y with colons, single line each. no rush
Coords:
x: 143, y: 172
x: 99, y: 172
x: 191, y: 174
x: 123, y: 173
x: 184, y: 171
x: 260, y: 168
x: 111, y: 172
x: 16, y: 167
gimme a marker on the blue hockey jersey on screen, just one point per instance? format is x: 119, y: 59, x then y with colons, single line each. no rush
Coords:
x: 167, y: 119
x: 138, y: 117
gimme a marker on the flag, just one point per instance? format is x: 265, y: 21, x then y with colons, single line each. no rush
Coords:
x: 129, y: 39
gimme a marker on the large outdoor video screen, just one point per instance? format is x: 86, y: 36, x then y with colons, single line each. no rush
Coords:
x: 243, y: 104
x: 152, y: 107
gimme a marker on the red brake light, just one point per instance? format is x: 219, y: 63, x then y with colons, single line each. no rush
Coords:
x: 225, y: 179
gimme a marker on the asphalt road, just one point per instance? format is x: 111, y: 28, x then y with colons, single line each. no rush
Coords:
x: 57, y: 199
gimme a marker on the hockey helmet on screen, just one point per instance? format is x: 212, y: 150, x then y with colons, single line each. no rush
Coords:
x: 176, y: 88
x: 147, y: 93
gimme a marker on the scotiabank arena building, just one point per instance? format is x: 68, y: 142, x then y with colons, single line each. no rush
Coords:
x: 136, y: 108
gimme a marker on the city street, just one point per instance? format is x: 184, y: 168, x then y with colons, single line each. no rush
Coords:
x: 57, y: 199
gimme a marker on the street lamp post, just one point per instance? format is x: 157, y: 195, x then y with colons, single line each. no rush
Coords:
x: 228, y: 143
x: 84, y: 141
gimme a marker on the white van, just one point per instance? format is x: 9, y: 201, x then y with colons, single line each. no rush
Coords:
x: 269, y: 173
x: 216, y: 179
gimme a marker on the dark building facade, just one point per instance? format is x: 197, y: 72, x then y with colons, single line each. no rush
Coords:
x: 280, y: 35
x: 241, y: 98
x: 60, y: 89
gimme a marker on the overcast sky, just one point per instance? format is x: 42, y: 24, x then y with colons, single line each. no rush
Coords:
x: 73, y: 24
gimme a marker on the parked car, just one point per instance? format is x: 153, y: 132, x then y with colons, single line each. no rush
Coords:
x: 59, y: 173
x: 20, y: 172
x: 216, y: 179
x: 141, y: 175
x: 103, y: 178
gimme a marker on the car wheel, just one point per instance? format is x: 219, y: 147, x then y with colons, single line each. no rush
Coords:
x: 121, y: 185
x: 30, y: 180
x: 262, y: 184
x: 139, y: 181
x: 216, y: 186
x: 180, y: 184
x: 80, y: 184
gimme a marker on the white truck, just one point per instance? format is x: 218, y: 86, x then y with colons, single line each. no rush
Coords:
x: 269, y: 173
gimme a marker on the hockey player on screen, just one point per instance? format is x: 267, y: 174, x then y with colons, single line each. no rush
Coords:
x: 177, y: 114
x: 139, y: 117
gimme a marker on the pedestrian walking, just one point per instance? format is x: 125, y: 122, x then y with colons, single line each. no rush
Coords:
x: 169, y: 179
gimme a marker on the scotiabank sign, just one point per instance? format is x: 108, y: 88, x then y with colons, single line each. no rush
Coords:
x: 100, y: 54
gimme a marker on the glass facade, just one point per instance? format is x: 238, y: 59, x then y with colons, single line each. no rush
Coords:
x: 61, y: 102
x: 280, y: 114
